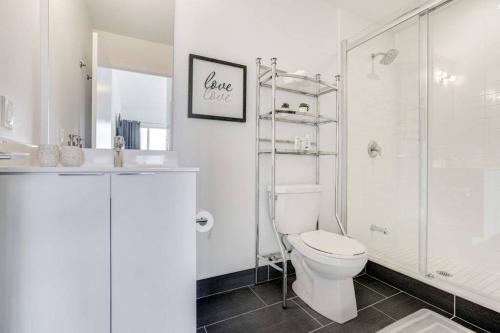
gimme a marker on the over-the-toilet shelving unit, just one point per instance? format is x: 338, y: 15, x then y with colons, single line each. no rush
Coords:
x: 279, y: 80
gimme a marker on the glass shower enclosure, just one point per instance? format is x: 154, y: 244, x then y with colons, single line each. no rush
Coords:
x: 422, y: 146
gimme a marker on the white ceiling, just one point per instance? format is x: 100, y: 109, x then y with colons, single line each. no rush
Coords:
x: 152, y: 20
x: 378, y: 10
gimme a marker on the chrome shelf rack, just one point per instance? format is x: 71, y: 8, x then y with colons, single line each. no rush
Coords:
x: 278, y: 80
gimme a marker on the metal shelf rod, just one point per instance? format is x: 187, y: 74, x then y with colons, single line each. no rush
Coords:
x: 257, y: 169
x: 283, y: 141
x: 297, y: 91
x: 270, y: 74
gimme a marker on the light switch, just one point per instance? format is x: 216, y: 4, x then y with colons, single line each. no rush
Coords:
x: 6, y: 113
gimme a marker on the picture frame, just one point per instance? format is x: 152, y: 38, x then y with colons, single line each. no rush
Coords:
x: 217, y: 89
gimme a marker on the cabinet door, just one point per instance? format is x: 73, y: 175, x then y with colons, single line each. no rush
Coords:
x: 153, y: 253
x: 54, y: 253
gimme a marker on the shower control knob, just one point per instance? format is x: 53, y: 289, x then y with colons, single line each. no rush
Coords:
x: 374, y: 149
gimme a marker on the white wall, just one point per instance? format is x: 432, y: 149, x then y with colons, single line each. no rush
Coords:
x: 127, y: 53
x: 20, y: 66
x: 142, y: 97
x: 304, y: 38
x: 70, y: 38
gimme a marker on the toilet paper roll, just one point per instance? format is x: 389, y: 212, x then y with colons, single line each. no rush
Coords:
x: 204, y: 226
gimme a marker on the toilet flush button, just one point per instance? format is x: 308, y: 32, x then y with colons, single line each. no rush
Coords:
x: 6, y: 113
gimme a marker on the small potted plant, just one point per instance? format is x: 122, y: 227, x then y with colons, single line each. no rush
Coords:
x: 303, y: 107
x: 285, y: 106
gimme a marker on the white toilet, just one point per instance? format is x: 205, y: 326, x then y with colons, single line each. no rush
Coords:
x: 325, y: 262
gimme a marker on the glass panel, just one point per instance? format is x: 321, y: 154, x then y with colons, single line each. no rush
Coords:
x: 464, y: 143
x: 383, y: 109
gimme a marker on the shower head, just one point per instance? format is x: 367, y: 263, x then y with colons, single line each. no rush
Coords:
x: 387, y: 57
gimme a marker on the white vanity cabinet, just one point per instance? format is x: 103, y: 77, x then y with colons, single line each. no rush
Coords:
x: 153, y: 246
x: 54, y: 253
x: 102, y: 252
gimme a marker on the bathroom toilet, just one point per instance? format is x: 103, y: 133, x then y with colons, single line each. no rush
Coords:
x: 325, y: 262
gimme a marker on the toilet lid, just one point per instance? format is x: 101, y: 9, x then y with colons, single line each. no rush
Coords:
x: 330, y: 242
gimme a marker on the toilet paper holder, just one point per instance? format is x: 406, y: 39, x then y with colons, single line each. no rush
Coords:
x: 201, y: 221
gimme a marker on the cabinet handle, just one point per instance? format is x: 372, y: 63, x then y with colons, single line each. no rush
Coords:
x: 79, y: 174
x: 135, y: 174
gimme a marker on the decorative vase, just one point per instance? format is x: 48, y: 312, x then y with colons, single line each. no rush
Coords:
x: 71, y: 156
x: 48, y: 155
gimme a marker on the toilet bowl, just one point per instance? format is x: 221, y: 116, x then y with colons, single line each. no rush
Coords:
x: 325, y: 262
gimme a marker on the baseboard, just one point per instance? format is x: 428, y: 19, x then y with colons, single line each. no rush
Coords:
x: 225, y: 282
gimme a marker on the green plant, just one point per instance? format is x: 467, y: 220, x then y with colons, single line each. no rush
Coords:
x: 303, y: 105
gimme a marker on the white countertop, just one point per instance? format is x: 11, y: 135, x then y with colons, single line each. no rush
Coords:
x: 101, y: 161
x: 93, y: 169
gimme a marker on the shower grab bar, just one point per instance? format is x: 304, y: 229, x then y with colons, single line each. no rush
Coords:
x: 374, y: 227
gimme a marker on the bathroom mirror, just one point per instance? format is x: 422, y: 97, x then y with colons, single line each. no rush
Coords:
x: 110, y: 72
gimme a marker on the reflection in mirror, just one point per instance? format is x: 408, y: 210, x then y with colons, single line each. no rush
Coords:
x: 111, y: 66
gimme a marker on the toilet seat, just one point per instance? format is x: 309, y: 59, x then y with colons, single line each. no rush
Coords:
x: 332, y: 243
x: 347, y: 248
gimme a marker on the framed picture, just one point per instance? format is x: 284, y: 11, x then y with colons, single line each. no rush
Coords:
x: 217, y: 89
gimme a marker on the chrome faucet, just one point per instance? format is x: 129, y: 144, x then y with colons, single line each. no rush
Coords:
x: 119, y: 144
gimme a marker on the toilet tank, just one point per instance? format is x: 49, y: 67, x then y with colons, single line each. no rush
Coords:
x: 297, y: 207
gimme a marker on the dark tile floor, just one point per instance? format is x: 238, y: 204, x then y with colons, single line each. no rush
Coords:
x: 258, y: 309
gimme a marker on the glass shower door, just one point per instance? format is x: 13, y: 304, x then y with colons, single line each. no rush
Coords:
x: 383, y: 149
x: 464, y: 145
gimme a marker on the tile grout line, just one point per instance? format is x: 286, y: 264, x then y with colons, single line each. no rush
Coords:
x: 382, y: 312
x: 319, y: 328
x: 241, y: 287
x: 404, y: 292
x: 387, y: 284
x: 358, y: 311
x: 255, y: 293
x: 205, y: 329
x: 245, y: 313
x: 310, y: 315
x: 370, y: 288
x: 236, y: 316
x: 454, y: 303
x: 225, y: 291
x: 473, y: 325
x: 434, y: 306
x: 380, y: 301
